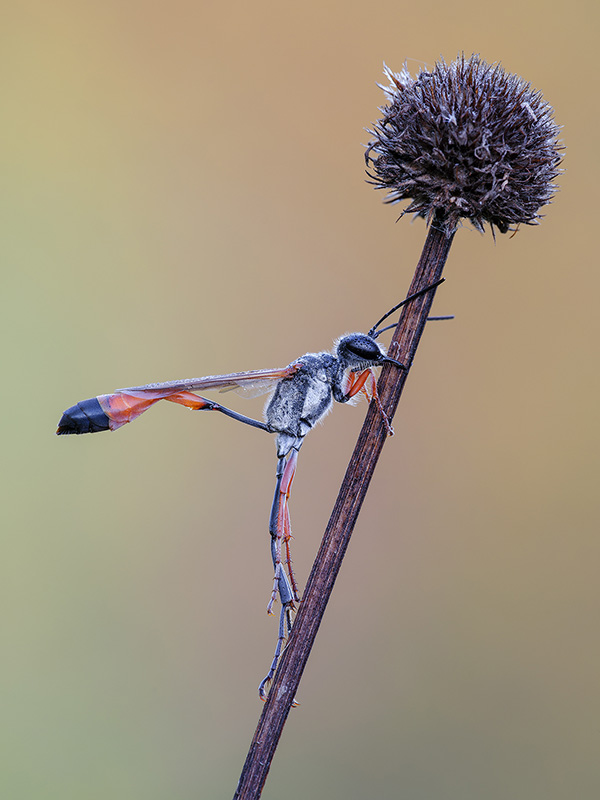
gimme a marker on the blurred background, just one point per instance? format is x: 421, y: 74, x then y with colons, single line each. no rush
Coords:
x: 184, y: 194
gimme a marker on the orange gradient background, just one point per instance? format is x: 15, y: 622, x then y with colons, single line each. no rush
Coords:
x: 184, y: 194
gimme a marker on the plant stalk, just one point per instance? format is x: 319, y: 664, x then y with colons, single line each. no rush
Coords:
x: 343, y: 518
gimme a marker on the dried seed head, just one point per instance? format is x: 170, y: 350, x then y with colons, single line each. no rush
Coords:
x: 465, y: 140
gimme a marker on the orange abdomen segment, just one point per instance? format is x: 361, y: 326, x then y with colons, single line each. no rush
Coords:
x: 123, y: 408
x: 107, y: 412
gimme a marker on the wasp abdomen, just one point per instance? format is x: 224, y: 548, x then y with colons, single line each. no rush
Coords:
x: 84, y: 417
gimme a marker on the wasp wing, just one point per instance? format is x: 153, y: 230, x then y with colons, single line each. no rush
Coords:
x: 252, y: 383
x: 111, y: 411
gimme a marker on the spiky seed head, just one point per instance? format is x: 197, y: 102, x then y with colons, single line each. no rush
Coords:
x: 466, y: 140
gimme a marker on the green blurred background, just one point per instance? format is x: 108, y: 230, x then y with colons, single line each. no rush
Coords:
x: 184, y: 194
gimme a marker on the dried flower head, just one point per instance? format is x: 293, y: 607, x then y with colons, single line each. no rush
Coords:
x: 465, y: 140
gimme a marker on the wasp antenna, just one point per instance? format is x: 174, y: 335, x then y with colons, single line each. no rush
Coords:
x: 383, y: 330
x: 374, y: 333
x: 429, y: 319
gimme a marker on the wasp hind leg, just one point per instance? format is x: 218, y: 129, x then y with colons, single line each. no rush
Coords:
x: 280, y: 527
x: 284, y: 582
x: 285, y: 628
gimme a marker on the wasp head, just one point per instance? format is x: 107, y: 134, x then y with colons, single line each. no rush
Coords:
x: 358, y: 351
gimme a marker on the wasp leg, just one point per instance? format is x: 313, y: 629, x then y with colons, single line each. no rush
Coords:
x: 279, y: 524
x: 286, y: 596
x: 371, y: 393
x: 285, y: 628
x: 357, y: 382
x: 287, y: 536
x: 285, y: 584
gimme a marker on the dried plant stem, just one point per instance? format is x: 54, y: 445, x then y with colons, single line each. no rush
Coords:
x: 343, y: 518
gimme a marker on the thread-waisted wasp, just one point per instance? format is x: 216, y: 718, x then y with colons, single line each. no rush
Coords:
x: 301, y: 394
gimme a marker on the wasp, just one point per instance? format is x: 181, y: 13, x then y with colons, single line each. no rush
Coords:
x: 301, y: 394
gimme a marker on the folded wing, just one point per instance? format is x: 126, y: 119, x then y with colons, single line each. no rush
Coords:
x: 112, y: 411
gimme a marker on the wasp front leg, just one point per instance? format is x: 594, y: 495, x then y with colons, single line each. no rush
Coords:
x: 358, y: 383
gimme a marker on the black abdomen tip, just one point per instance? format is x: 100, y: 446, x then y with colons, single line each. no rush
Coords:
x: 84, y: 417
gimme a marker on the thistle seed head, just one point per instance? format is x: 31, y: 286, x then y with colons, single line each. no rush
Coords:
x: 466, y: 140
